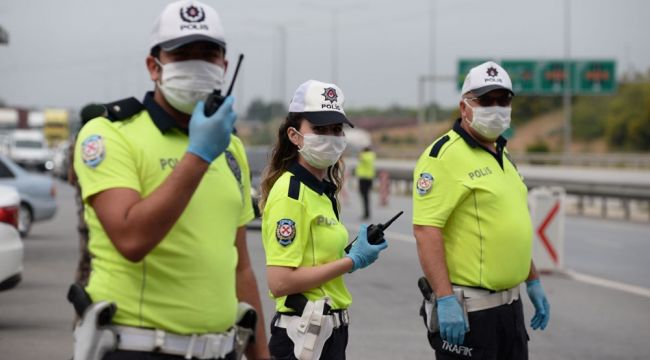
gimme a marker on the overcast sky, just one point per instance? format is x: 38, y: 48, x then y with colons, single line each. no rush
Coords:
x: 70, y: 52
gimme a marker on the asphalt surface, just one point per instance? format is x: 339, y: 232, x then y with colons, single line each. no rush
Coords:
x: 588, y: 321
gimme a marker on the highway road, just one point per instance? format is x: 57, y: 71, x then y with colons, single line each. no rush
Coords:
x: 590, y: 319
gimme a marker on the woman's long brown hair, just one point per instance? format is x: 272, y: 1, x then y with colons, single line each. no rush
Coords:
x: 285, y: 153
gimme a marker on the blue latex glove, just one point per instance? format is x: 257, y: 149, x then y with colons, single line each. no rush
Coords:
x: 542, y: 308
x: 210, y: 136
x: 451, y: 319
x: 363, y: 253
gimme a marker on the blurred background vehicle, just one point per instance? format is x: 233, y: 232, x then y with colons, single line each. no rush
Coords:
x: 56, y: 125
x: 11, y: 247
x: 258, y: 157
x: 29, y: 149
x: 60, y: 160
x: 37, y: 194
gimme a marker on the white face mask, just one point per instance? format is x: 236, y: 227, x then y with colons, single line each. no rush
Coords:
x: 322, y: 151
x: 490, y: 121
x: 184, y: 83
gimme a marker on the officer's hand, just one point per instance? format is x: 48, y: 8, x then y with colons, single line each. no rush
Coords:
x: 363, y: 253
x: 542, y: 308
x: 210, y: 136
x: 452, y: 320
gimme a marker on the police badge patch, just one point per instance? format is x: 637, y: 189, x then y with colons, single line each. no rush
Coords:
x: 424, y: 183
x: 93, y: 151
x: 285, y: 232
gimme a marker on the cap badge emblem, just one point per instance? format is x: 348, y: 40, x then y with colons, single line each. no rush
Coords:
x: 491, y: 71
x: 192, y: 14
x: 330, y: 95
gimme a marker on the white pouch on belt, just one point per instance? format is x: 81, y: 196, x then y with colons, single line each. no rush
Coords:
x: 431, y: 315
x: 92, y: 341
x: 310, y: 331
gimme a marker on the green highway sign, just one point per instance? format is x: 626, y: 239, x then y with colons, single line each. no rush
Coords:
x: 546, y: 77
x: 522, y: 74
x: 464, y: 65
x: 595, y: 77
x: 551, y: 77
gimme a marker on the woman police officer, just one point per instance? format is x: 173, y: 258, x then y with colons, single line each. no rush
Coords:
x: 303, y: 237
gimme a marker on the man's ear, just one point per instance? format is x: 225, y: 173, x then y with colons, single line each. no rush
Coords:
x: 463, y: 109
x: 154, y: 69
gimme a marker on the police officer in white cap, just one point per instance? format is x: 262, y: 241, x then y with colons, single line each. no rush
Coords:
x: 166, y: 188
x: 474, y: 232
x: 304, y: 238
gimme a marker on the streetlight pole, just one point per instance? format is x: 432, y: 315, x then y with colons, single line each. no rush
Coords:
x: 422, y: 82
x: 567, y: 78
x: 432, y: 56
x: 282, y: 64
x: 335, y: 45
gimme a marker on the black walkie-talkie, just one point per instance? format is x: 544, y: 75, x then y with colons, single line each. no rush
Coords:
x: 375, y: 232
x: 214, y: 101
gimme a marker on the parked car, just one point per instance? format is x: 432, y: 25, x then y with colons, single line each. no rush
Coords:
x: 28, y: 148
x: 37, y: 193
x: 11, y: 247
x: 60, y: 160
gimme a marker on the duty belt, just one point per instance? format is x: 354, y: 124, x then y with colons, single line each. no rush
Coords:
x: 339, y: 317
x: 482, y: 299
x: 206, y: 346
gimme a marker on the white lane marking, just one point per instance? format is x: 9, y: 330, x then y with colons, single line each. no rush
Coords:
x: 616, y: 285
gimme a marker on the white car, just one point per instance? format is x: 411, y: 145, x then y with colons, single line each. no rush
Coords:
x: 29, y: 149
x: 11, y: 247
x: 60, y: 160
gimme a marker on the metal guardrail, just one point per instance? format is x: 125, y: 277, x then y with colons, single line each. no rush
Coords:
x: 626, y: 185
x: 632, y: 161
x: 609, y: 160
x: 630, y: 184
x: 605, y: 183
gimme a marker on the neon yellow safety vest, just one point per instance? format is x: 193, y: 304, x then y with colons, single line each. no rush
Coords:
x: 301, y: 227
x: 366, y: 166
x: 186, y: 284
x: 479, y: 200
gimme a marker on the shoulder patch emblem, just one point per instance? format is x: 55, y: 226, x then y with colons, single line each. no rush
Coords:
x: 424, y: 183
x: 285, y: 232
x: 93, y: 150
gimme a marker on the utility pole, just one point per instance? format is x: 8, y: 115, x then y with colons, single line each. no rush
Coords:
x: 422, y: 86
x: 567, y: 78
x: 432, y: 57
x: 335, y: 45
x: 282, y: 65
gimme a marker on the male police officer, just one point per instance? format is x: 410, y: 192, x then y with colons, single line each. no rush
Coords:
x: 473, y: 229
x: 166, y: 189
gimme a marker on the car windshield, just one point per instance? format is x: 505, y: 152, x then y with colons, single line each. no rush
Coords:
x: 30, y: 144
